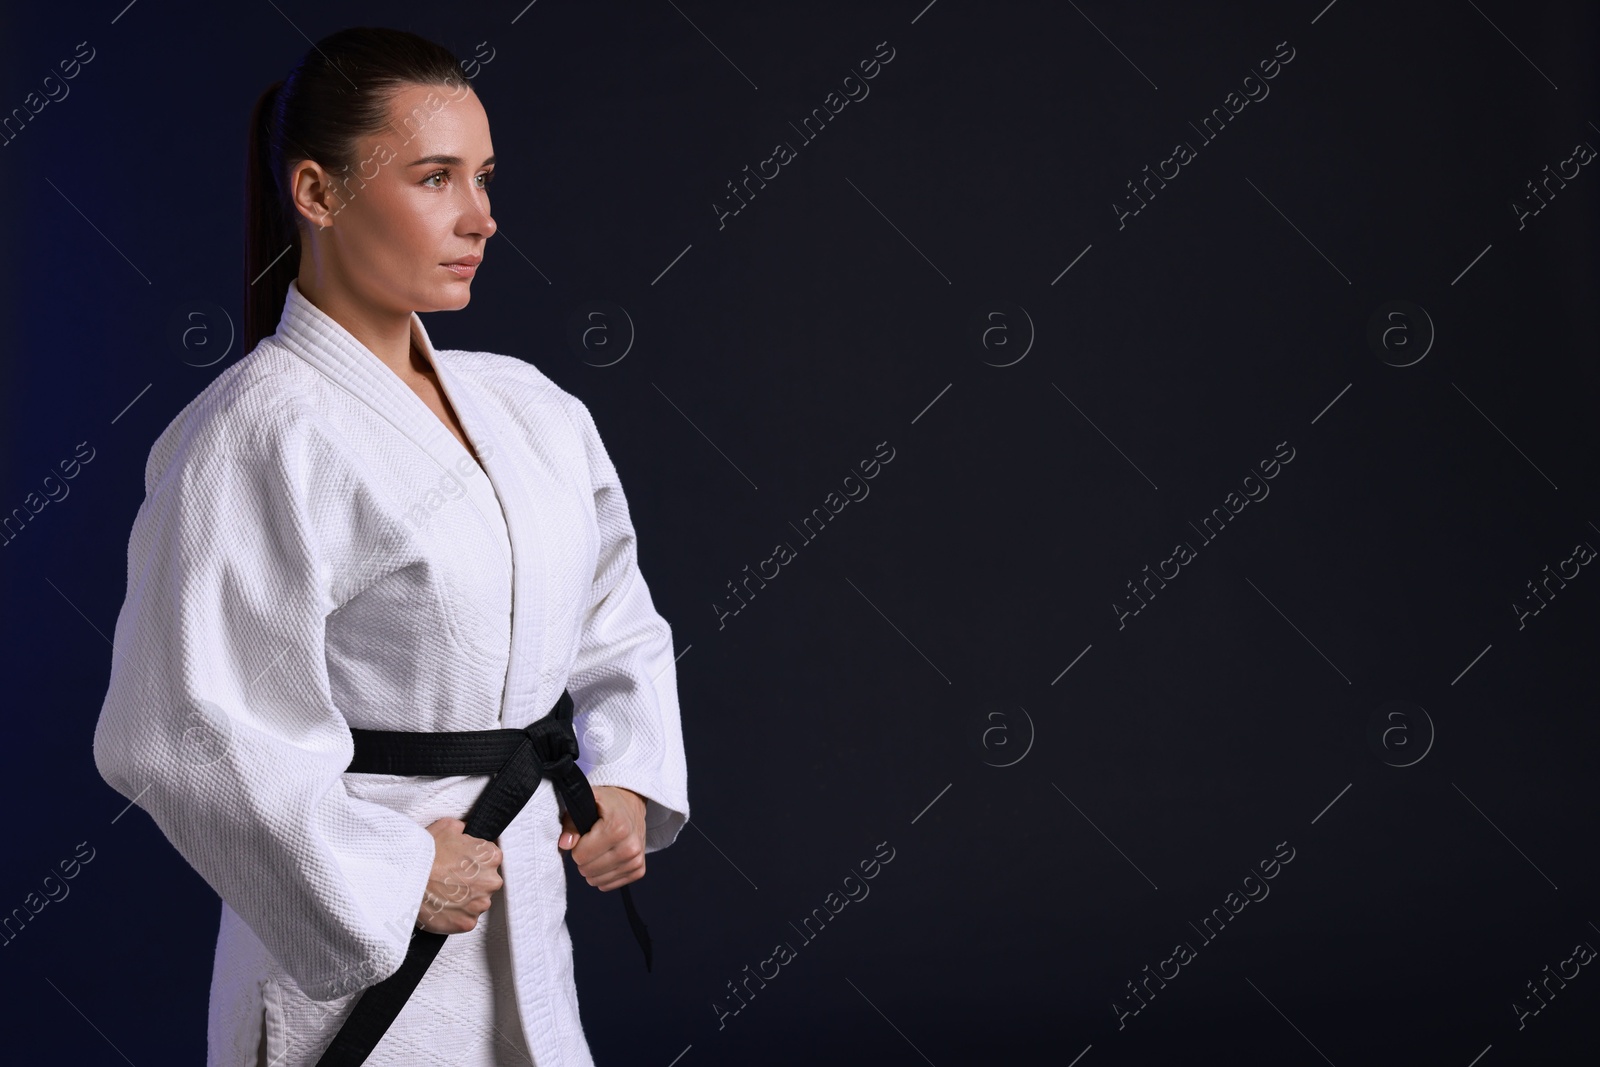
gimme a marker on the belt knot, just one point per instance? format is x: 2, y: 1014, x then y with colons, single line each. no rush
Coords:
x: 554, y: 741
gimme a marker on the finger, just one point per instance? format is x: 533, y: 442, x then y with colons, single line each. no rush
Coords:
x: 601, y: 839
x: 606, y: 847
x: 624, y: 857
x: 569, y: 832
x: 622, y: 876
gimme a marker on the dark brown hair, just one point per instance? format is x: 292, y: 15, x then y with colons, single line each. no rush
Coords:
x: 338, y: 93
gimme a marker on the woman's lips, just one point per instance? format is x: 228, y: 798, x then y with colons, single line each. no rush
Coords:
x: 461, y: 270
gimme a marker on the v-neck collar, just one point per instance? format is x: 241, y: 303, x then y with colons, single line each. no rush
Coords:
x: 315, y: 336
x: 505, y: 498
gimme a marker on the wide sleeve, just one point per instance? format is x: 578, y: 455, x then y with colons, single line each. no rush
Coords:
x: 219, y: 721
x: 624, y: 681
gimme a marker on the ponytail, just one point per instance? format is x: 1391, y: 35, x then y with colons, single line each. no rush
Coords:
x: 271, y: 246
x: 336, y: 95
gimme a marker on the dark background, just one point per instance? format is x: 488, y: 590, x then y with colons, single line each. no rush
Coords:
x: 867, y: 694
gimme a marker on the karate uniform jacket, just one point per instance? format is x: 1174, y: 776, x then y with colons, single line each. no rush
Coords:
x: 317, y: 551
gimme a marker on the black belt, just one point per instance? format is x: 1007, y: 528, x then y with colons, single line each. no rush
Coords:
x: 518, y: 759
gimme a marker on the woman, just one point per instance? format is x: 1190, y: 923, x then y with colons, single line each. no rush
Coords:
x: 347, y: 531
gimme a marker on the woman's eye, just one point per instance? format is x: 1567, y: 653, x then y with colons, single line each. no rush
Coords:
x: 486, y: 177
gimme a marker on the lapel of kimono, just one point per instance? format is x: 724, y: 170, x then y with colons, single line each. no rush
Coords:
x: 310, y: 333
x: 504, y: 499
x: 514, y: 471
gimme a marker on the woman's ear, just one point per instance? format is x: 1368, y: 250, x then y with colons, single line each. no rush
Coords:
x: 312, y: 191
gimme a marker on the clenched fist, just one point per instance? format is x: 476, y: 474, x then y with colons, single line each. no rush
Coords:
x: 611, y: 854
x: 466, y: 872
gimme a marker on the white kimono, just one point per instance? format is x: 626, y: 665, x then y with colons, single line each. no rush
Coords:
x: 316, y: 551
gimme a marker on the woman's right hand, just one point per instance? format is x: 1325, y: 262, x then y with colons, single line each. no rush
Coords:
x: 466, y: 870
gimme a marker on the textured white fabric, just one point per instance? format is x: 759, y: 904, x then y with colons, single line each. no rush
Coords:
x: 317, y: 551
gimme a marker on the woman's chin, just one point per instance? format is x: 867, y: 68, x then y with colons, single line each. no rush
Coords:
x: 452, y: 296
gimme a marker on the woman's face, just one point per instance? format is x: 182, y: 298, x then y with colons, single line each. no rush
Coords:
x: 415, y: 199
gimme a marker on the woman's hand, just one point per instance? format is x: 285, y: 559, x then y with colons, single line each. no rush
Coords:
x: 611, y: 854
x: 466, y: 870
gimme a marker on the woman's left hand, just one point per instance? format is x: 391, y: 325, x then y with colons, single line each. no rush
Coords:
x: 611, y: 854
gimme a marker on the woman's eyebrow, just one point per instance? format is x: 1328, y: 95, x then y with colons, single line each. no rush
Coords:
x: 452, y: 161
